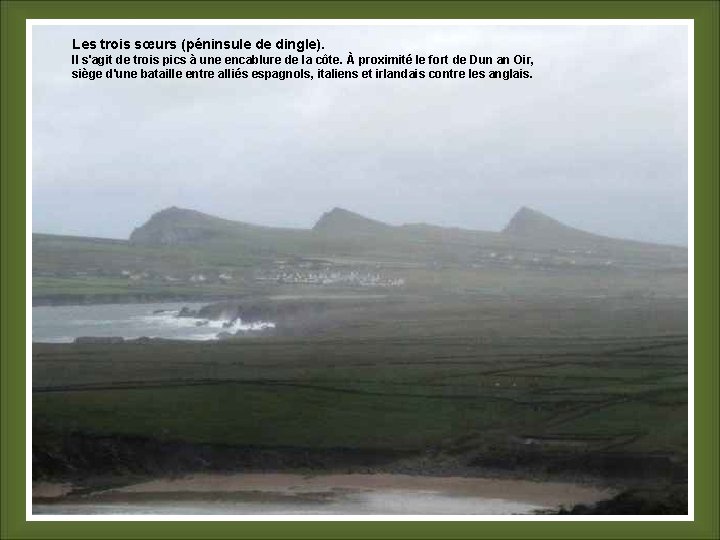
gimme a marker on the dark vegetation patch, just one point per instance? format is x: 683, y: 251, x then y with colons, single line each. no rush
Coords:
x: 667, y: 500
x: 78, y: 456
x: 543, y: 405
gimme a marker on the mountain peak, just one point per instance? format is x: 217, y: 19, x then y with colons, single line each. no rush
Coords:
x: 530, y: 222
x: 174, y: 225
x: 534, y: 225
x: 342, y: 221
x: 175, y: 211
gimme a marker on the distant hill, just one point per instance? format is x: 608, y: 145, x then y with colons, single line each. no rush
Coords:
x: 175, y: 243
x: 531, y: 223
x: 341, y: 221
x: 528, y: 225
x: 177, y: 226
x: 528, y: 229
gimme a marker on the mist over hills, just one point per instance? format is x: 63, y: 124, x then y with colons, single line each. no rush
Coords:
x: 179, y: 252
x: 527, y: 229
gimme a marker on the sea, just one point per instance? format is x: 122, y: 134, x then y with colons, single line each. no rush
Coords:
x: 384, y: 502
x: 63, y: 324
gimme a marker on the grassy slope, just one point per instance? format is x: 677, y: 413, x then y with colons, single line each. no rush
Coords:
x: 250, y: 245
x: 470, y: 357
x: 485, y: 377
x: 58, y: 260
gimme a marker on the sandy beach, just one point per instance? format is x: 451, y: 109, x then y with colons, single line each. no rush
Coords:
x: 545, y: 493
x: 50, y: 490
x: 280, y: 493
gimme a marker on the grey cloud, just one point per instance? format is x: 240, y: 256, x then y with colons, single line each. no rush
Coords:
x: 598, y: 138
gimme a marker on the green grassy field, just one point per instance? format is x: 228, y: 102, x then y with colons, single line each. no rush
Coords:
x: 471, y: 378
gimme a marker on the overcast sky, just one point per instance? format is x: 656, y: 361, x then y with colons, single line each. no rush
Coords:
x: 597, y: 138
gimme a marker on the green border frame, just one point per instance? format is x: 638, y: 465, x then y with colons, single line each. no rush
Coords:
x: 706, y: 15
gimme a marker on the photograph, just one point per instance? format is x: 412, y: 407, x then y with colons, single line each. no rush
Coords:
x: 337, y: 269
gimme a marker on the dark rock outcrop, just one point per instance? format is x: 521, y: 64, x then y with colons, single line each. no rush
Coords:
x: 82, y: 455
x: 186, y: 312
x: 671, y: 500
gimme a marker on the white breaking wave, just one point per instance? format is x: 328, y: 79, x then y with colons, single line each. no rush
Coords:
x: 86, y: 322
x: 239, y: 326
x: 63, y: 325
x: 170, y: 319
x: 59, y: 339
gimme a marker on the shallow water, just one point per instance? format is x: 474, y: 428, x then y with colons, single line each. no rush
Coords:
x: 363, y: 503
x: 62, y: 324
x: 332, y: 494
